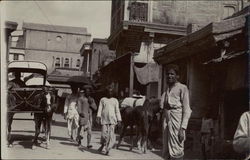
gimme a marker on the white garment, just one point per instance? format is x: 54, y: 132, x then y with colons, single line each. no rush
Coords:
x: 128, y: 102
x: 241, y: 142
x: 177, y: 112
x: 70, y: 109
x: 132, y: 102
x: 109, y: 111
x: 140, y: 101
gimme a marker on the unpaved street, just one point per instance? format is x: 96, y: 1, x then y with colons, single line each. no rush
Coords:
x: 61, y: 147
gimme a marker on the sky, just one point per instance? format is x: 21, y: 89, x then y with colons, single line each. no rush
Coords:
x: 94, y: 15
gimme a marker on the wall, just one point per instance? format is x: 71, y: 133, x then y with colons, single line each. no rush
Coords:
x: 185, y: 12
x: 198, y: 83
x: 100, y: 53
x: 147, y: 52
x: 54, y: 41
x: 48, y: 57
x: 46, y: 46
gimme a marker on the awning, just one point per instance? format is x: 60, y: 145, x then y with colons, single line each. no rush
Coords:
x: 225, y: 57
x: 116, y: 69
x: 147, y: 74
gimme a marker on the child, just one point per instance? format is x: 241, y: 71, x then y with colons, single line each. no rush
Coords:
x: 207, y: 135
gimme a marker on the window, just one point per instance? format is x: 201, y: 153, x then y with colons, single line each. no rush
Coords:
x: 228, y: 11
x: 57, y: 63
x: 78, y: 63
x: 66, y: 63
x: 138, y: 11
x: 58, y: 38
x: 78, y: 40
x: 15, y: 57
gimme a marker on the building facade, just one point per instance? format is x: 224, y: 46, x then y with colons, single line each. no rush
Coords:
x: 140, y: 27
x: 213, y: 63
x: 55, y: 46
x: 15, y: 42
x: 95, y: 56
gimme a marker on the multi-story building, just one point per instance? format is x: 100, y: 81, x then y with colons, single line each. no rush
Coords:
x: 95, y: 55
x: 213, y: 64
x: 15, y: 42
x: 140, y: 27
x: 56, y: 46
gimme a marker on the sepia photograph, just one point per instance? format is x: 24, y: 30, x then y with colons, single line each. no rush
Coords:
x: 125, y: 79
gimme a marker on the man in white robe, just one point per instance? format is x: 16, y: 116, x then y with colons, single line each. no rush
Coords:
x: 176, y: 113
x: 108, y: 115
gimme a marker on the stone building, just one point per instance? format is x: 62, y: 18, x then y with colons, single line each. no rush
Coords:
x: 55, y: 46
x: 140, y: 27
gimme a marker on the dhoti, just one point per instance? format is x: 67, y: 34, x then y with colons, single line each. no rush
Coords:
x: 172, y: 147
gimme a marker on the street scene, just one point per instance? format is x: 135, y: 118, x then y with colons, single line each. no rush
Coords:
x: 62, y: 147
x: 125, y: 79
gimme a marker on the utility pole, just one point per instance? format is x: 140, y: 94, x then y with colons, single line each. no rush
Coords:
x: 131, y: 77
x: 248, y: 48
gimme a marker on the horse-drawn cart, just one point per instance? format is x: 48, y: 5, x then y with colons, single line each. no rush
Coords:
x: 21, y: 97
x: 28, y: 92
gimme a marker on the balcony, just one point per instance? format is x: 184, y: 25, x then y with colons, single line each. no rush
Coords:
x: 131, y: 24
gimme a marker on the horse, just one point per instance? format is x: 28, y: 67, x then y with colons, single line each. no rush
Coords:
x: 154, y: 119
x: 47, y: 101
x: 141, y: 116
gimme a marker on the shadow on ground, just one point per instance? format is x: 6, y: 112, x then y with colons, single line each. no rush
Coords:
x: 128, y: 150
x: 59, y: 138
x: 158, y: 152
x: 83, y: 149
x: 69, y: 143
x: 59, y: 123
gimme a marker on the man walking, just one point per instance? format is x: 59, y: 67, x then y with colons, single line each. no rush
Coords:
x: 108, y: 115
x: 70, y: 111
x: 92, y: 108
x: 85, y: 102
x: 176, y: 113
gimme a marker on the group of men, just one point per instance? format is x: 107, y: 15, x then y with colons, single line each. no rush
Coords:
x: 174, y: 105
x: 78, y: 110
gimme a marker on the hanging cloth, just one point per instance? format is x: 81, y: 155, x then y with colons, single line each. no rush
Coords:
x: 148, y: 73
